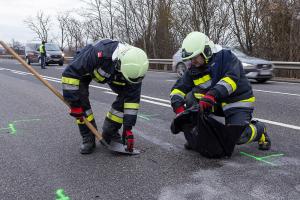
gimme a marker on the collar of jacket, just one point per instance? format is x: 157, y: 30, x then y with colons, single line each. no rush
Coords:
x: 195, y: 71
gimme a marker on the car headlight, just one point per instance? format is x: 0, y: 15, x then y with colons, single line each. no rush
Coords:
x: 48, y: 55
x: 248, y: 66
x: 63, y: 55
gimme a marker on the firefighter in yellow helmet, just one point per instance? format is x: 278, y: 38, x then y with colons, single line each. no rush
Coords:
x: 216, y: 82
x: 123, y: 68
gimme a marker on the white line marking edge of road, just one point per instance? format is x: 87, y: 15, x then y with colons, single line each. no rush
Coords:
x: 162, y: 104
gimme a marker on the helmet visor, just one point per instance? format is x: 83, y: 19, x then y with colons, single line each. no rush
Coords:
x: 185, y: 54
x: 136, y: 80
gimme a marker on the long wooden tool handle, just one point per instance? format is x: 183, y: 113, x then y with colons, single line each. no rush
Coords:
x: 48, y: 85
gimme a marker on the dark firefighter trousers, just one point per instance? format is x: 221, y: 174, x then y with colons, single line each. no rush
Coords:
x: 236, y: 116
x: 110, y: 128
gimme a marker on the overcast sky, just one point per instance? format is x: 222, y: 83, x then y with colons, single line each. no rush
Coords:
x: 13, y: 13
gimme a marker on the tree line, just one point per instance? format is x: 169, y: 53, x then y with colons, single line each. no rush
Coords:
x: 264, y: 28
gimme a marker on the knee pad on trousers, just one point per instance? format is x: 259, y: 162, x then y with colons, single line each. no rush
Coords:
x: 252, y: 132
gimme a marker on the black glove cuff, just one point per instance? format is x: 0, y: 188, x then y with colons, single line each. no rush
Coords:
x: 213, y: 92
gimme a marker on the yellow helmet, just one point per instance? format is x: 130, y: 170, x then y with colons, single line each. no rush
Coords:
x: 133, y: 62
x: 196, y: 43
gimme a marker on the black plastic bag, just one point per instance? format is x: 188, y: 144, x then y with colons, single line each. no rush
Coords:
x: 206, y: 135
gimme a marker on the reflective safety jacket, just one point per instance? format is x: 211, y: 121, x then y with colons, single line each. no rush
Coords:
x: 223, y: 76
x: 42, y: 50
x: 96, y: 61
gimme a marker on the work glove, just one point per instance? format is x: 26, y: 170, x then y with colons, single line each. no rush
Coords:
x: 128, y: 140
x: 179, y: 110
x: 207, y: 102
x: 77, y: 112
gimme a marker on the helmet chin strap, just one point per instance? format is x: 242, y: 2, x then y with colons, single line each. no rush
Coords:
x: 206, y: 61
x: 117, y: 65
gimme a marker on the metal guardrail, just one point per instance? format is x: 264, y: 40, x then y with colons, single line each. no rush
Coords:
x: 286, y: 65
x: 277, y: 64
x: 161, y: 61
x: 10, y: 56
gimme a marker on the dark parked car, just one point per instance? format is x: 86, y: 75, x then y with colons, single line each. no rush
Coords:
x: 255, y: 68
x: 54, y: 54
x: 32, y: 53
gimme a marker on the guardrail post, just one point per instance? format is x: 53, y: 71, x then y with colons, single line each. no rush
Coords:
x: 165, y: 67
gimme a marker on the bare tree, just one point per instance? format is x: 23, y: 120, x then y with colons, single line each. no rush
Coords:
x: 247, y: 18
x: 163, y: 34
x: 260, y: 27
x: 40, y: 25
x: 62, y: 23
x: 123, y: 20
x: 94, y: 13
x: 75, y: 33
x: 143, y: 22
x: 278, y: 36
x: 208, y: 16
x: 110, y: 25
x: 17, y: 46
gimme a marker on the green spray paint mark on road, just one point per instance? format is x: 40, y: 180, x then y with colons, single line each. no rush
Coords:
x: 12, y: 126
x: 12, y: 129
x: 262, y: 159
x: 60, y: 195
x: 273, y: 155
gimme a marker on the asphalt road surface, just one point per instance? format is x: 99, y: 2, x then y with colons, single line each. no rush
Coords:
x: 39, y: 146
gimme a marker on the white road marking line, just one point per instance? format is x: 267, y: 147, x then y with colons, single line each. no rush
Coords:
x: 171, y: 80
x: 274, y: 92
x: 282, y: 82
x: 107, y: 92
x: 157, y: 103
x: 20, y: 73
x: 169, y: 106
x: 49, y: 79
x: 145, y: 100
x: 154, y: 98
x: 279, y: 124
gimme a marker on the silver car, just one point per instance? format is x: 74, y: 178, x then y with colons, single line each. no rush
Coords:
x: 255, y: 68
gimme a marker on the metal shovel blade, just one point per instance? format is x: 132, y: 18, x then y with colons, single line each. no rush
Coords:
x: 119, y: 148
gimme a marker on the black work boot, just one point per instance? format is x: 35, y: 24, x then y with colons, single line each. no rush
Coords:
x: 263, y: 139
x: 88, y: 138
x: 264, y: 143
x: 187, y: 146
x: 110, y: 131
x: 88, y: 145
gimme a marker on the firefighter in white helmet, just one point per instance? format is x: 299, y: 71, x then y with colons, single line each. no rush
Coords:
x: 123, y: 68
